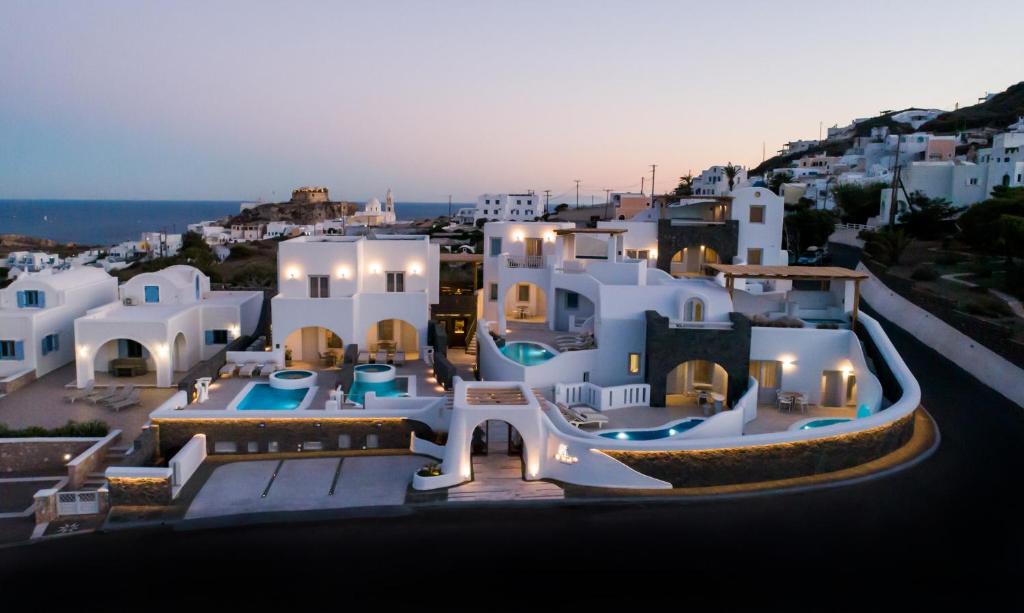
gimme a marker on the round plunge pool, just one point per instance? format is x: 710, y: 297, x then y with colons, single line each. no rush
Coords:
x: 374, y: 373
x: 292, y: 379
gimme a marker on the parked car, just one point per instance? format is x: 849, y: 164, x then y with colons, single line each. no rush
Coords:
x: 814, y: 256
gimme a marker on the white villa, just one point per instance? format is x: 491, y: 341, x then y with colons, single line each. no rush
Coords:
x: 714, y: 182
x: 161, y: 324
x: 31, y: 261
x: 37, y: 316
x: 508, y: 207
x: 376, y: 214
x: 372, y: 291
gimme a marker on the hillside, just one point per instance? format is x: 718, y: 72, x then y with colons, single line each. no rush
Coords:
x: 19, y: 242
x: 999, y: 112
x: 1002, y: 110
x: 298, y: 213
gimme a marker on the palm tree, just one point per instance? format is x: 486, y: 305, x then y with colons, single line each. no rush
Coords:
x: 730, y: 174
x: 685, y: 187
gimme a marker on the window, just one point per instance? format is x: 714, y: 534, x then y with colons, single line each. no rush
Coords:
x: 51, y: 343
x: 31, y: 298
x: 396, y: 281
x: 197, y: 287
x: 252, y: 447
x: 216, y: 337
x: 344, y: 441
x: 638, y: 254
x: 757, y: 214
x: 572, y: 300
x: 974, y: 181
x: 495, y: 245
x: 152, y: 293
x: 767, y: 372
x: 754, y: 256
x: 493, y: 293
x: 319, y: 286
x: 693, y: 310
x: 460, y: 326
x: 634, y: 363
x: 372, y: 441
x: 127, y: 348
x: 523, y: 290
x: 11, y: 350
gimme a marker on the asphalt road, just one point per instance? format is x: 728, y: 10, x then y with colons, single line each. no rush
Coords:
x: 949, y: 527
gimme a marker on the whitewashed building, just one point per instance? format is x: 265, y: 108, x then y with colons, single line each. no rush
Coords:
x: 37, y: 315
x: 714, y: 182
x: 373, y: 291
x: 508, y: 207
x: 161, y: 325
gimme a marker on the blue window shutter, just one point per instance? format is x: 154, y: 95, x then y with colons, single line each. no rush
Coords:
x: 55, y: 341
x: 21, y: 300
x: 41, y: 298
x: 152, y: 293
x: 45, y: 349
x: 209, y: 337
x: 19, y: 350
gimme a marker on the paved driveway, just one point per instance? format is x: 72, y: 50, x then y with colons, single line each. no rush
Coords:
x: 300, y: 485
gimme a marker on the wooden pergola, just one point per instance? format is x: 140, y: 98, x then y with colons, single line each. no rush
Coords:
x: 793, y: 273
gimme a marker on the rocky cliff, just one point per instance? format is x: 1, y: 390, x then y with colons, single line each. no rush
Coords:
x: 298, y: 213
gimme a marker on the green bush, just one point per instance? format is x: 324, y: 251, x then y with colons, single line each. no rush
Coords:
x: 93, y: 428
x: 924, y: 273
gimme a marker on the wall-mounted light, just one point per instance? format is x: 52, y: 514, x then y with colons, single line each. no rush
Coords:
x: 293, y: 273
x: 83, y: 351
x: 549, y: 237
x: 342, y: 272
x: 375, y: 269
x: 653, y: 253
x: 163, y: 350
x: 414, y: 269
x: 518, y: 237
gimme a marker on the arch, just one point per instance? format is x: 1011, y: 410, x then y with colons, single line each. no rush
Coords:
x: 527, y: 302
x: 501, y: 439
x: 687, y: 379
x: 179, y: 353
x: 98, y: 357
x: 316, y: 346
x: 694, y: 309
x: 689, y: 261
x: 393, y: 334
x: 571, y: 306
x: 1006, y: 180
x: 676, y: 235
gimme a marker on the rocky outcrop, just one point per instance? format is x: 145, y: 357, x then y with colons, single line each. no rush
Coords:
x: 297, y: 213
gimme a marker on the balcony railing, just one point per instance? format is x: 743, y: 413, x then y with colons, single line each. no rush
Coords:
x: 524, y: 261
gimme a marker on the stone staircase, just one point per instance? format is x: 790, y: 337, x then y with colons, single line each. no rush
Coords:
x: 96, y: 480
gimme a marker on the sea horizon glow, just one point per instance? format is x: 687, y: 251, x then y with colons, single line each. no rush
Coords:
x: 248, y: 100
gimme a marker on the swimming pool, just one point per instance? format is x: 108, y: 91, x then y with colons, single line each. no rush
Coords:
x: 384, y: 389
x: 527, y: 354
x: 263, y: 397
x: 821, y: 423
x: 651, y: 434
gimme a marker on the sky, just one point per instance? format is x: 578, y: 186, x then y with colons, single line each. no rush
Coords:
x: 243, y: 100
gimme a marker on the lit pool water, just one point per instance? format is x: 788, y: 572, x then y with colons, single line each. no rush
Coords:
x: 821, y: 423
x: 650, y: 435
x: 527, y: 354
x: 262, y: 397
x: 386, y: 389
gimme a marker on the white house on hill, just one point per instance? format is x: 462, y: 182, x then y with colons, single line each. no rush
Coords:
x: 163, y: 323
x: 37, y: 316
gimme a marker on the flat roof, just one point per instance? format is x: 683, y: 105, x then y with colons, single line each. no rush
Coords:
x: 564, y: 231
x: 747, y: 271
x: 462, y: 257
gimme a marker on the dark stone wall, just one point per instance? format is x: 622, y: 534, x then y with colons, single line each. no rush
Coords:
x: 669, y: 347
x: 437, y: 338
x: 723, y: 238
x: 393, y: 433
x: 768, y: 462
x: 444, y: 370
x: 24, y: 456
x: 139, y: 492
x: 144, y: 448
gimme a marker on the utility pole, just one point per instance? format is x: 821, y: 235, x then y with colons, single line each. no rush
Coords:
x: 642, y: 179
x: 577, y: 193
x: 895, y: 182
x: 653, y: 167
x: 547, y: 200
x: 449, y: 208
x: 607, y: 200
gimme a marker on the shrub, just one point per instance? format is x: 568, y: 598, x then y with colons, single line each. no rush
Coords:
x: 988, y: 306
x: 949, y: 259
x: 924, y: 273
x: 93, y: 428
x: 430, y: 470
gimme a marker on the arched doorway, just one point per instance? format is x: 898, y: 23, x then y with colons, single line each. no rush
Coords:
x: 314, y: 346
x: 121, y: 361
x: 496, y: 447
x: 690, y: 261
x: 179, y: 354
x: 527, y: 303
x: 393, y: 336
x: 695, y: 382
x: 571, y: 309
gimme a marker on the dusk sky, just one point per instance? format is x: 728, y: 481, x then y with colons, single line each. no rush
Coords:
x: 245, y: 100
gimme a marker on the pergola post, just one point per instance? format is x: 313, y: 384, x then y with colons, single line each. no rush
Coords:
x: 856, y: 302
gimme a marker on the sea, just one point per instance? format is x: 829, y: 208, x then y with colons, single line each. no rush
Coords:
x: 107, y: 222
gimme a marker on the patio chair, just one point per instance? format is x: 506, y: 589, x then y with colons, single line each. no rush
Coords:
x: 81, y: 394
x: 399, y: 359
x: 228, y: 370
x: 248, y: 369
x: 269, y: 368
x: 382, y: 356
x: 131, y: 399
x: 364, y: 357
x: 327, y: 359
x: 576, y: 416
x: 103, y: 394
x: 124, y: 393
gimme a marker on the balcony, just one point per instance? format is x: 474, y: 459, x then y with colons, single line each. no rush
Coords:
x: 524, y: 261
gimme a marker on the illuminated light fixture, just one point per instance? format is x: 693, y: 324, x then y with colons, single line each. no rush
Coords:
x: 342, y: 272
x: 653, y: 253
x: 562, y: 455
x: 672, y: 432
x: 622, y: 436
x: 518, y: 237
x: 163, y: 350
x: 549, y: 237
x: 414, y: 269
x: 83, y: 351
x: 67, y: 457
x: 293, y: 273
x: 375, y: 269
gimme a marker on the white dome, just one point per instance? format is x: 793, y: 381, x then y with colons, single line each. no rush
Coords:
x: 373, y: 205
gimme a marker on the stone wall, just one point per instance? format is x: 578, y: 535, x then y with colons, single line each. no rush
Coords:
x: 144, y: 448
x: 701, y: 468
x: 290, y: 434
x: 14, y: 383
x: 140, y: 491
x: 40, y: 456
x: 669, y: 347
x: 724, y: 238
x: 437, y: 337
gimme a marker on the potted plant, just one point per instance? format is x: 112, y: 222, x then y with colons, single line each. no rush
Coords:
x: 287, y: 356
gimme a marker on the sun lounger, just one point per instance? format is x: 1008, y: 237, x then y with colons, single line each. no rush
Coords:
x: 248, y: 369
x: 131, y: 399
x: 399, y: 358
x: 364, y: 357
x: 382, y: 357
x: 582, y: 416
x: 228, y: 370
x: 82, y: 393
x: 103, y: 394
x: 123, y: 394
x: 268, y: 369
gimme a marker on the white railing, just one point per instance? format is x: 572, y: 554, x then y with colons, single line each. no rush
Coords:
x: 78, y: 503
x: 603, y: 398
x: 854, y: 226
x: 524, y: 261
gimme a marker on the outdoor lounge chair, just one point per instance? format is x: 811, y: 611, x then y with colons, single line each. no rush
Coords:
x: 121, y: 395
x: 582, y: 416
x: 228, y: 370
x: 399, y: 359
x: 268, y: 369
x: 248, y: 369
x: 81, y: 394
x: 103, y: 394
x: 382, y: 357
x: 133, y: 398
x: 364, y: 357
